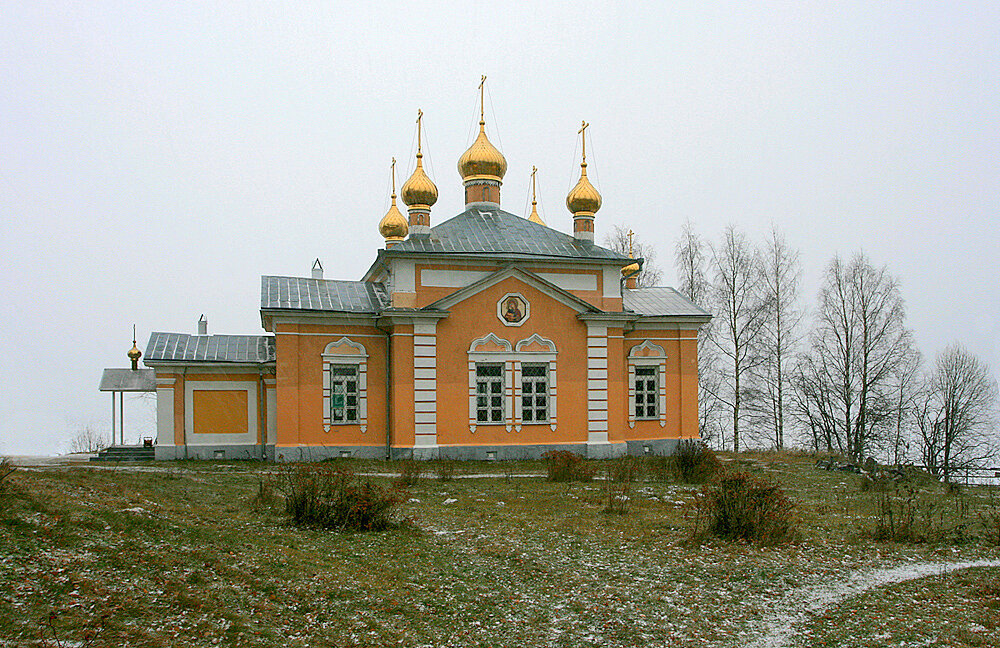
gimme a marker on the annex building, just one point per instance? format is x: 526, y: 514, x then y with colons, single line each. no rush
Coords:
x: 486, y: 336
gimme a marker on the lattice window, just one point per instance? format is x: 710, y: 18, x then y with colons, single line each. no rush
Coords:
x: 345, y: 384
x: 647, y: 393
x: 534, y: 393
x: 343, y: 393
x: 489, y: 392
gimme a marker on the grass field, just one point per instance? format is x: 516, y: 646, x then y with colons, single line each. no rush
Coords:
x: 171, y: 554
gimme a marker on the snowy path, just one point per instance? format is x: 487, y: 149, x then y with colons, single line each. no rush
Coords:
x: 799, y: 604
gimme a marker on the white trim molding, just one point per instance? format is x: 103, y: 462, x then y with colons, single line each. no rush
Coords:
x: 425, y: 383
x: 533, y: 349
x: 346, y: 351
x: 648, y: 354
x: 597, y: 387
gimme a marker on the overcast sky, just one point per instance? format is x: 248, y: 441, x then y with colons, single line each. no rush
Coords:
x: 157, y: 158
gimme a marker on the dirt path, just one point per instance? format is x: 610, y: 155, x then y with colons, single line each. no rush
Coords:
x: 779, y: 630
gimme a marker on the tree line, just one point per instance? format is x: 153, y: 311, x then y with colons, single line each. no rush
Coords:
x: 843, y: 376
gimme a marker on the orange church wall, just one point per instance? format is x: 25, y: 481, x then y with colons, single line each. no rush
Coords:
x: 220, y: 412
x: 681, y: 386
x: 209, y: 418
x: 476, y: 317
x: 300, y: 386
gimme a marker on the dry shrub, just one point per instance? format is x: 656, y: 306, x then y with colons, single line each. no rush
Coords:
x: 621, y: 473
x: 6, y: 470
x: 566, y: 466
x: 410, y: 471
x: 264, y: 498
x: 337, y: 499
x: 741, y: 506
x: 990, y: 519
x: 446, y: 469
x: 694, y: 462
x: 907, y: 516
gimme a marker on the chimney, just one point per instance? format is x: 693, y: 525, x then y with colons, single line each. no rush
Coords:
x: 202, y: 325
x: 317, y: 269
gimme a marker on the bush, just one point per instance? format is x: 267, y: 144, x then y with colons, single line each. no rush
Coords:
x: 904, y: 515
x: 410, y: 471
x: 618, y: 485
x: 335, y: 499
x: 740, y: 506
x: 566, y: 466
x: 446, y: 469
x: 694, y: 462
x: 264, y: 499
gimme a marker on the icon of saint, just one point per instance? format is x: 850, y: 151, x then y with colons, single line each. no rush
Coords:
x: 512, y: 312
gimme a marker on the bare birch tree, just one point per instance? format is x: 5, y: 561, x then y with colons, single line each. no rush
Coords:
x: 740, y: 315
x: 780, y: 274
x: 617, y: 240
x: 957, y: 415
x: 857, y: 344
x: 693, y: 283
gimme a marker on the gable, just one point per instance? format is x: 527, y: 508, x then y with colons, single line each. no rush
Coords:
x: 544, y: 287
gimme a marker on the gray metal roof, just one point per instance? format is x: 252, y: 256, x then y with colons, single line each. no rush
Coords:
x: 181, y: 347
x: 301, y: 293
x: 127, y: 380
x: 660, y: 301
x: 483, y: 228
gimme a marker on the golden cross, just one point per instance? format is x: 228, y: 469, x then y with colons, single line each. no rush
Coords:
x: 534, y: 170
x: 420, y: 115
x: 482, y: 105
x: 630, y: 243
x: 393, y: 177
x: 583, y: 136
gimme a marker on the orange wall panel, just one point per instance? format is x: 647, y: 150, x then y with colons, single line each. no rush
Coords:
x: 220, y: 411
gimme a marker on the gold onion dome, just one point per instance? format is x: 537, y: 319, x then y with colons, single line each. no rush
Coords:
x: 584, y: 197
x: 419, y: 189
x: 393, y: 226
x: 134, y: 353
x: 482, y: 160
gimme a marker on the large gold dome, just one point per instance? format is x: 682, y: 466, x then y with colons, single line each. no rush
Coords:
x: 482, y: 160
x: 419, y: 189
x: 584, y: 197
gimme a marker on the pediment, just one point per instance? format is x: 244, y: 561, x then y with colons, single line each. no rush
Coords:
x: 528, y: 278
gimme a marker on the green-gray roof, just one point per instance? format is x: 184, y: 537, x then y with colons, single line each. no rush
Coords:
x: 301, y: 293
x: 181, y: 347
x: 660, y: 302
x: 484, y: 228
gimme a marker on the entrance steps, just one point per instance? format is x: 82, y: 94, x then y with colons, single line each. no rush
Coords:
x: 126, y: 453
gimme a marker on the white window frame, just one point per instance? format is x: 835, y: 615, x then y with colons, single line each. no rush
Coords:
x: 493, y: 349
x: 346, y: 351
x: 648, y: 354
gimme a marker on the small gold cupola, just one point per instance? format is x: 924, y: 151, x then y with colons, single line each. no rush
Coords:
x: 534, y: 217
x: 134, y: 353
x: 419, y: 192
x: 631, y: 271
x: 393, y: 226
x: 583, y: 200
x: 482, y: 166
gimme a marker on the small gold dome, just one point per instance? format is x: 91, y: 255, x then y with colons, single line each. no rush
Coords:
x: 584, y: 197
x: 134, y: 353
x: 630, y: 269
x: 393, y: 226
x: 419, y: 189
x: 534, y: 217
x: 482, y: 160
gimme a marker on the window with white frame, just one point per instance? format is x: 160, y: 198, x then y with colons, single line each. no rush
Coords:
x: 345, y: 384
x: 511, y: 385
x: 647, y: 392
x: 489, y: 392
x: 535, y: 392
x: 343, y: 393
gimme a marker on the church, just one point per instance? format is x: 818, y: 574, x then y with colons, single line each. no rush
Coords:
x: 487, y: 336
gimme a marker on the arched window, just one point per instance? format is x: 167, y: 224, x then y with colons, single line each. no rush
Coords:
x: 647, y: 389
x: 345, y: 384
x: 512, y: 385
